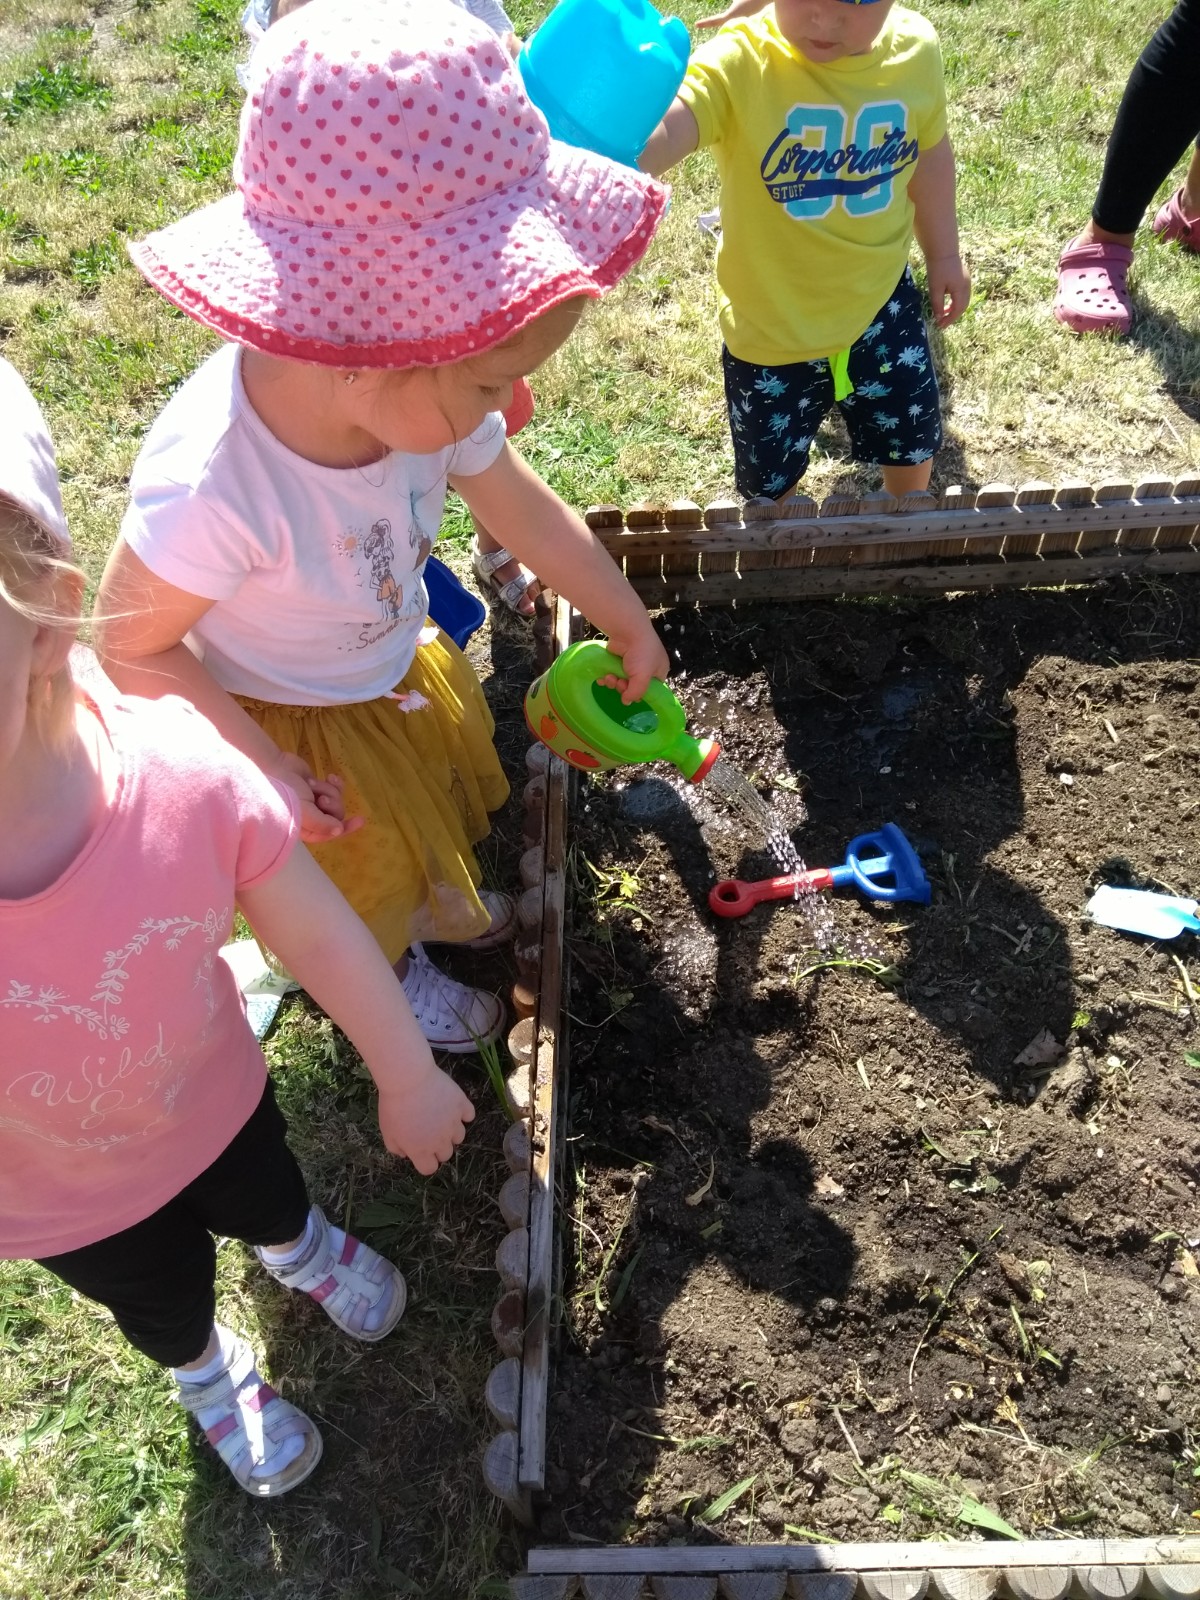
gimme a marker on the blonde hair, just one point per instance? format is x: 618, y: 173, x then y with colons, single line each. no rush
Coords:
x: 32, y: 573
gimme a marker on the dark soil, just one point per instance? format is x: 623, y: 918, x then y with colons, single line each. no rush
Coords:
x: 924, y: 1278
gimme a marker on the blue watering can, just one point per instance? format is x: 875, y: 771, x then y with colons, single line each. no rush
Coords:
x: 604, y: 72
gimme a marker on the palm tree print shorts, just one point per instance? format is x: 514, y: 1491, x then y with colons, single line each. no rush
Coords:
x: 894, y: 414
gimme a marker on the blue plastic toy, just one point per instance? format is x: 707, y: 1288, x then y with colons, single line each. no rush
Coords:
x: 604, y: 72
x: 456, y: 610
x: 871, y: 859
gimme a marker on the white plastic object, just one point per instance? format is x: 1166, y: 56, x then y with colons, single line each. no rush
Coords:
x: 1159, y: 916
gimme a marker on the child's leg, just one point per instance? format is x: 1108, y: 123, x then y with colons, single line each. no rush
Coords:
x: 908, y: 480
x: 255, y: 1192
x: 156, y: 1277
x: 895, y: 414
x: 774, y: 412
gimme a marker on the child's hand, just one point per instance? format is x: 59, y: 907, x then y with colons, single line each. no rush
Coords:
x: 322, y: 810
x: 643, y: 658
x: 949, y: 289
x: 425, y: 1121
x: 737, y: 8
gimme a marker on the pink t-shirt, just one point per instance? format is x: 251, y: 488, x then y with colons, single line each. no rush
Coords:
x: 126, y: 1061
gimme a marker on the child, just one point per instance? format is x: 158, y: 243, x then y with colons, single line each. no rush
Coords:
x: 406, y: 245
x: 500, y: 574
x: 136, y: 1116
x: 828, y: 122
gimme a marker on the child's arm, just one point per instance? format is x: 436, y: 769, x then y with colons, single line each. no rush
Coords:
x: 299, y: 915
x: 675, y: 137
x: 736, y: 8
x: 932, y: 192
x: 140, y: 624
x: 530, y: 520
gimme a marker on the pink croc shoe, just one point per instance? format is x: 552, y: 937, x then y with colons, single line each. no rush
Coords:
x: 1171, y: 223
x: 1092, y: 296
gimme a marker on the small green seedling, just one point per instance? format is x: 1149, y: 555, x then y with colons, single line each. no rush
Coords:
x: 724, y: 1502
x: 489, y: 1054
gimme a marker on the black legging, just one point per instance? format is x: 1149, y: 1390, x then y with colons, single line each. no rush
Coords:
x: 1158, y: 118
x: 156, y: 1277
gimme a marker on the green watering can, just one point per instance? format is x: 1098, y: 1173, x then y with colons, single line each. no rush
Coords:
x: 588, y: 725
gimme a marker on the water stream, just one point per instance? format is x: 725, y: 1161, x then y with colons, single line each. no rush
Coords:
x: 740, y: 795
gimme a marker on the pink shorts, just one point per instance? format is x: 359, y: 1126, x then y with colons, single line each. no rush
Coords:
x: 521, y: 410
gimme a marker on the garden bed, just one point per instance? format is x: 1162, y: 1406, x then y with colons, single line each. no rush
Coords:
x: 841, y: 1266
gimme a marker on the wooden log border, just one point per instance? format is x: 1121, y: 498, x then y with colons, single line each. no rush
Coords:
x: 1046, y: 1569
x: 1039, y: 534
x: 517, y: 1390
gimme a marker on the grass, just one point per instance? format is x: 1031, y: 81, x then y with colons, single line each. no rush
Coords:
x: 117, y: 119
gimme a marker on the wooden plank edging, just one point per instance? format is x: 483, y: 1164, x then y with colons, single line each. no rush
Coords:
x: 535, y: 1385
x: 901, y: 1556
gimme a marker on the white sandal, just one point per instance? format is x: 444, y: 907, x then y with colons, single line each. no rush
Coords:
x: 486, y: 563
x: 450, y: 1015
x: 254, y: 1416
x: 348, y: 1282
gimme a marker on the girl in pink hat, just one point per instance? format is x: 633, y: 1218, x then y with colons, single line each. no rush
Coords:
x: 405, y: 244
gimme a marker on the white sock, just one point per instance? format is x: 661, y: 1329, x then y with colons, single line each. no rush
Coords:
x: 278, y: 1456
x: 280, y: 1257
x: 226, y: 1347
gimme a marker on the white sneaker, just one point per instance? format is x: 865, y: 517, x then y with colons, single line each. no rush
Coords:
x: 451, y: 1016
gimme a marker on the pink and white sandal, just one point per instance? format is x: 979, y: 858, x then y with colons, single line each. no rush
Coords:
x: 357, y: 1288
x: 252, y: 1424
x: 1172, y: 223
x: 1092, y: 294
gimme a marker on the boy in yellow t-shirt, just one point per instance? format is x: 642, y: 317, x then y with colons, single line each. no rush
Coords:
x: 827, y: 119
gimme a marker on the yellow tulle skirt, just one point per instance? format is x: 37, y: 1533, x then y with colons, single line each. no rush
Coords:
x: 425, y: 778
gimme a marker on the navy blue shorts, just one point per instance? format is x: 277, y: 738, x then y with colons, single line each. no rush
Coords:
x: 894, y: 415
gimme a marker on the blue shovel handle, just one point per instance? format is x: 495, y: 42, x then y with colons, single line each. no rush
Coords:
x: 890, y: 854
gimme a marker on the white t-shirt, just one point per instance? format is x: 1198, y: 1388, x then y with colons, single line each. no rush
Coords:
x: 316, y: 571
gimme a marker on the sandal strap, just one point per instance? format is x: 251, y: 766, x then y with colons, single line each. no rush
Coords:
x: 489, y: 561
x: 515, y: 590
x: 347, y: 1284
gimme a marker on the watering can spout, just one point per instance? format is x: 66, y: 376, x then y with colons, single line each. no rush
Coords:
x: 693, y: 757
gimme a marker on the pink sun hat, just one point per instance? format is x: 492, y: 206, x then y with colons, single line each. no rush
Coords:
x: 400, y: 202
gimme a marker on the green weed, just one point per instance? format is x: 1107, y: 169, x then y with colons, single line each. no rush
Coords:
x: 50, y: 90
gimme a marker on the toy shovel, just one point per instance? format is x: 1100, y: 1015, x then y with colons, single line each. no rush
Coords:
x: 1159, y: 916
x: 882, y: 866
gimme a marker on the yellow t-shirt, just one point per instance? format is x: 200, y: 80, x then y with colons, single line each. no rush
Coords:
x: 815, y: 162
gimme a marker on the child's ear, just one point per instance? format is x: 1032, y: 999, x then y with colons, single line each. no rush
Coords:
x: 52, y: 641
